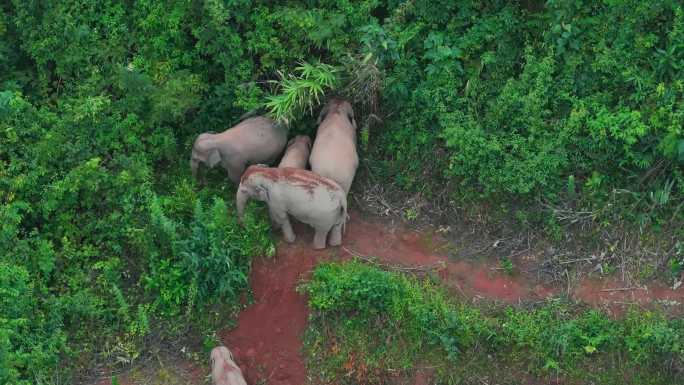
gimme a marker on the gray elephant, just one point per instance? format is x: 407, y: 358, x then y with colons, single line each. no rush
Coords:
x: 224, y: 371
x: 254, y: 140
x: 334, y: 151
x: 297, y: 152
x: 315, y: 200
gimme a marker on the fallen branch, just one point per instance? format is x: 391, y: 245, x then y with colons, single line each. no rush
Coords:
x: 404, y: 269
x: 624, y: 289
x: 576, y: 260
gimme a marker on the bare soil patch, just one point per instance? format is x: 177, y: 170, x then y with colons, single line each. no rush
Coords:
x: 267, y: 340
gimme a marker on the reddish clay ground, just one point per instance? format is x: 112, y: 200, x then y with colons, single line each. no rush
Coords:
x: 267, y: 340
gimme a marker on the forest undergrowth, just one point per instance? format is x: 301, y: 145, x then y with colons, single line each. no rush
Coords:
x: 558, y: 120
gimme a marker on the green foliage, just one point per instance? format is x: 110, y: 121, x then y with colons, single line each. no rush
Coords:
x: 94, y: 235
x: 301, y: 93
x: 651, y: 339
x: 30, y: 335
x: 506, y: 264
x: 677, y: 260
x: 207, y: 263
x: 530, y: 104
x: 577, y: 104
x: 556, y: 340
x: 102, y: 236
x: 384, y: 320
x: 374, y: 322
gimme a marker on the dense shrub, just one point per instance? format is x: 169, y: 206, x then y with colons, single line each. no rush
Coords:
x: 95, y: 244
x: 563, y: 101
x: 372, y: 322
x: 575, y: 103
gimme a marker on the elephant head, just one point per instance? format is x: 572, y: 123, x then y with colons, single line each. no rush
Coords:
x: 339, y: 105
x: 251, y: 187
x: 300, y: 138
x: 204, y: 150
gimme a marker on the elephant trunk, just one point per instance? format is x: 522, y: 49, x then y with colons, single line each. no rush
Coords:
x: 194, y: 163
x: 240, y: 201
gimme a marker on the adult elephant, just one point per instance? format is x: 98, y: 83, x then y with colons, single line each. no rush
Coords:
x: 252, y: 141
x: 315, y: 200
x: 334, y: 150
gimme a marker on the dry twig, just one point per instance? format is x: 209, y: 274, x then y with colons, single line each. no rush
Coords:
x: 404, y: 269
x: 624, y: 289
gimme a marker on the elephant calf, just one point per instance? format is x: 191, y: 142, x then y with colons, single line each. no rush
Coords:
x: 297, y: 152
x: 315, y: 200
x: 224, y: 371
x: 254, y: 140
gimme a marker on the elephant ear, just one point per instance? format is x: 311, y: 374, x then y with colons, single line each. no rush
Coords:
x: 323, y: 113
x: 262, y: 194
x: 213, y: 158
x: 350, y: 116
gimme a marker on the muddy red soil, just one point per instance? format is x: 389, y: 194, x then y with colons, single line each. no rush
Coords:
x: 267, y: 340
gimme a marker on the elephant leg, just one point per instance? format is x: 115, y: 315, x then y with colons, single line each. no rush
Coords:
x: 336, y: 235
x: 320, y: 236
x: 274, y: 223
x: 281, y: 218
x: 235, y: 170
x: 288, y: 233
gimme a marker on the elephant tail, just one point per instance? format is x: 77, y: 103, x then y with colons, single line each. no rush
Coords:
x: 343, y: 214
x: 253, y: 112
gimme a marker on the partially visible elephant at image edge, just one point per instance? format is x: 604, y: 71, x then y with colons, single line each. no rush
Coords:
x: 224, y: 370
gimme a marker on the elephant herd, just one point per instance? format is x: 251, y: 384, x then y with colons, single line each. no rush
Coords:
x: 317, y: 197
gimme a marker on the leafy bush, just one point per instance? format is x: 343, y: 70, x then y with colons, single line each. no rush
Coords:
x: 383, y: 320
x: 578, y: 104
x: 554, y: 338
x: 651, y: 339
x: 31, y: 338
x: 523, y: 99
x: 208, y: 262
x: 372, y: 322
x: 84, y: 272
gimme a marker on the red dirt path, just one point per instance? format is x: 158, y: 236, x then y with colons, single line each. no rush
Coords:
x: 267, y: 341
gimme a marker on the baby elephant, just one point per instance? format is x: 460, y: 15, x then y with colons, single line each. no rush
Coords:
x: 297, y: 152
x: 224, y: 371
x: 307, y: 196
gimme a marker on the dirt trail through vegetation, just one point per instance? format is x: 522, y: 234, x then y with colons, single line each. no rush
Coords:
x: 267, y: 340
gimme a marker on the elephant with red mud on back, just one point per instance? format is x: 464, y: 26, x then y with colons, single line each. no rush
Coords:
x: 315, y: 200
